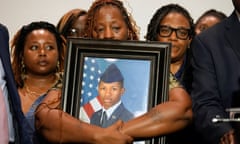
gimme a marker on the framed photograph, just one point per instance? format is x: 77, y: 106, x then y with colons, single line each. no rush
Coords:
x: 139, y: 68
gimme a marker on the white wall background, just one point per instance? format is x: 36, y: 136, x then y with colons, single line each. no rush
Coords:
x: 16, y: 13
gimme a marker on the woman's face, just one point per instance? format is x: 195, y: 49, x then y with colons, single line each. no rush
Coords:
x: 40, y: 53
x: 78, y: 26
x: 110, y: 24
x: 179, y: 46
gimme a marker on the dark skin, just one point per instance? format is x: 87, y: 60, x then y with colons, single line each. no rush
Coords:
x: 179, y: 46
x: 109, y: 24
x: 165, y: 118
x: 79, y: 26
x: 40, y: 58
x: 205, y: 23
x: 67, y: 129
x: 228, y: 138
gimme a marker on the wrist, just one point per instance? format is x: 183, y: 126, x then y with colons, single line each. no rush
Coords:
x: 120, y: 129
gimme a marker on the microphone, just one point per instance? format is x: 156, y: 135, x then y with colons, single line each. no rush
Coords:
x: 233, y: 113
x: 217, y: 120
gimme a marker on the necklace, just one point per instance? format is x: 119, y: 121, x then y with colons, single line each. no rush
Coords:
x: 35, y: 92
x: 32, y: 93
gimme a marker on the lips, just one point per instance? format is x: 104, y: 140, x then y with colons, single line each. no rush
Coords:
x: 42, y: 63
x: 107, y: 100
x: 174, y: 46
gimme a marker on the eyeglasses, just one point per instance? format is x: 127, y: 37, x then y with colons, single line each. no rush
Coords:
x: 75, y: 32
x: 181, y: 33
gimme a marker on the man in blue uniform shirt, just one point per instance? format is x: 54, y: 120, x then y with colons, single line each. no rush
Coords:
x: 110, y: 90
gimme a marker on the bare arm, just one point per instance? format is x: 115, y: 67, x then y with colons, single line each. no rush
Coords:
x: 165, y: 118
x: 58, y: 126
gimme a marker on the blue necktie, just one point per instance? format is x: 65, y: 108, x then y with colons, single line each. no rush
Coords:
x: 104, y: 120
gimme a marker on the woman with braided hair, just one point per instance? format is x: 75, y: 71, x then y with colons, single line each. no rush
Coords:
x: 59, y: 127
x: 173, y: 23
x: 108, y: 19
x: 123, y: 22
x: 38, y: 55
x: 37, y: 60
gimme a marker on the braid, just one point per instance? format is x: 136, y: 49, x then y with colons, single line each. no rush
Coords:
x: 18, y: 43
x: 153, y: 26
x: 132, y: 26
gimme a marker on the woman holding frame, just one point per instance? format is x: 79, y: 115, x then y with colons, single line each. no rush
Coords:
x: 108, y: 19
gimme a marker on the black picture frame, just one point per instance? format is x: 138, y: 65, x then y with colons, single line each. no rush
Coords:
x: 156, y: 55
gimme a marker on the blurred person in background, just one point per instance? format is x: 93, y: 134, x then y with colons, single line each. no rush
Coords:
x: 208, y: 19
x: 72, y: 23
x: 216, y: 79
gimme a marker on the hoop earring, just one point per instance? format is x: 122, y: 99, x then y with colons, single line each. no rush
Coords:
x: 58, y: 67
x: 23, y: 70
x: 130, y: 36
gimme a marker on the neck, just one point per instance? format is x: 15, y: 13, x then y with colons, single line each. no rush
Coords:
x: 175, y: 66
x: 40, y: 81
